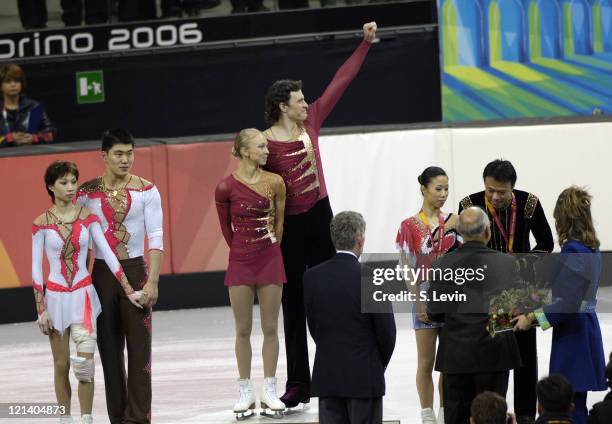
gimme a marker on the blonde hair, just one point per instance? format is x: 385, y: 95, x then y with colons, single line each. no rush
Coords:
x: 242, y: 139
x: 573, y: 218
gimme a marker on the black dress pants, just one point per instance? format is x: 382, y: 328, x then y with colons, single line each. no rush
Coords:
x: 526, y: 377
x: 461, y: 389
x: 33, y: 13
x: 335, y: 410
x: 306, y: 243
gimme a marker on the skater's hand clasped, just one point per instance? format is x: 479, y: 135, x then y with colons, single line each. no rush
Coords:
x: 136, y: 298
x: 149, y: 294
x: 43, y: 323
x: 369, y: 31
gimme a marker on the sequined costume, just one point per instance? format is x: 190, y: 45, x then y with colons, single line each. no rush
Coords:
x: 127, y: 214
x: 420, y: 247
x: 247, y: 217
x: 68, y: 296
x: 530, y: 218
x: 306, y: 240
x: 299, y: 161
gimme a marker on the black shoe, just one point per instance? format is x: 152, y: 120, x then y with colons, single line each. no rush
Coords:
x: 295, y: 394
x: 523, y: 419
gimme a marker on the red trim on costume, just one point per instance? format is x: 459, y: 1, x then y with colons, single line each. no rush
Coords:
x: 55, y: 228
x: 404, y: 238
x: 145, y: 188
x: 37, y: 228
x: 74, y: 239
x: 90, y: 219
x: 109, y: 214
x: 87, y: 318
x: 39, y: 288
x: 59, y: 288
x: 148, y: 322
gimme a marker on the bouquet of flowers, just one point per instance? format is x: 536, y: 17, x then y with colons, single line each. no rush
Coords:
x: 512, y: 303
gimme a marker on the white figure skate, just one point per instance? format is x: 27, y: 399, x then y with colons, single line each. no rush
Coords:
x: 86, y: 419
x: 428, y: 416
x: 246, y: 404
x: 271, y: 405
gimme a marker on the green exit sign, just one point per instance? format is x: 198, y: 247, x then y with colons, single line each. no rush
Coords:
x: 90, y: 87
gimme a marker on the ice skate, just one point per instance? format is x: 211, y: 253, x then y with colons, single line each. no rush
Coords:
x: 296, y: 398
x: 271, y: 405
x: 428, y: 416
x: 66, y: 419
x: 86, y: 419
x: 246, y: 404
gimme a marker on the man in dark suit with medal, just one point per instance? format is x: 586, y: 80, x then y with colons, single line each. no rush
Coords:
x: 514, y: 214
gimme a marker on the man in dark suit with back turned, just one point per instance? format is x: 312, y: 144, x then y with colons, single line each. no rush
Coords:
x: 353, y: 348
x: 471, y: 360
x: 514, y: 214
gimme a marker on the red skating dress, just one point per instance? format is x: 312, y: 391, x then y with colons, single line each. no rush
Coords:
x: 247, y: 216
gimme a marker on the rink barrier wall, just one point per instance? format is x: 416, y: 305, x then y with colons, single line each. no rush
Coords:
x: 195, y: 252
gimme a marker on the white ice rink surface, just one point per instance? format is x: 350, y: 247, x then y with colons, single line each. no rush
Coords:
x: 194, y: 369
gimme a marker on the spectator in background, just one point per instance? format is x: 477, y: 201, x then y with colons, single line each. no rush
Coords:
x: 243, y: 6
x: 23, y: 120
x: 96, y: 12
x: 555, y: 400
x: 490, y: 408
x: 601, y: 413
x: 192, y: 8
x: 33, y: 13
x: 136, y: 10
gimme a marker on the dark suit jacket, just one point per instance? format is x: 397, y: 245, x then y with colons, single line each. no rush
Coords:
x: 353, y: 348
x: 465, y: 345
